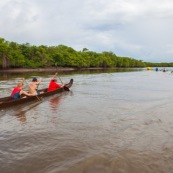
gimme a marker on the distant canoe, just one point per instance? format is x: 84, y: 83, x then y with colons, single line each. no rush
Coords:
x: 7, y: 102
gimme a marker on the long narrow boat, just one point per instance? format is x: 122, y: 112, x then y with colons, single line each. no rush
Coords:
x: 7, y: 102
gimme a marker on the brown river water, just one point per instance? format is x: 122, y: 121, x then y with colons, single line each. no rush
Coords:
x: 110, y: 122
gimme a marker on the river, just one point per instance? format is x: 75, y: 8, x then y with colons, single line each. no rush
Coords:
x: 109, y: 122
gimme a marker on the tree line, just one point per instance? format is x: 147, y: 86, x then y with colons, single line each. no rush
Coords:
x: 14, y: 55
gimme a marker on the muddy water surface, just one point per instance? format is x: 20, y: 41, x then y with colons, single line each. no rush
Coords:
x: 108, y: 123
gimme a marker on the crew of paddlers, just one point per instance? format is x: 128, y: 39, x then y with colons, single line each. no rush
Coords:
x: 18, y: 91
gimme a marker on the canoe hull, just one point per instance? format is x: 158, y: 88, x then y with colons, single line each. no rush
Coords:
x: 7, y: 102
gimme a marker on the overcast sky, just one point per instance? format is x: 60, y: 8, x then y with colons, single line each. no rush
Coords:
x: 132, y: 28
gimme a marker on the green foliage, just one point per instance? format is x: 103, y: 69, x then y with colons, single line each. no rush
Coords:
x: 25, y: 55
x: 17, y: 59
x: 163, y: 64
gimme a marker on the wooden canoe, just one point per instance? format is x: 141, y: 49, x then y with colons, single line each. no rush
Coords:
x: 7, y: 102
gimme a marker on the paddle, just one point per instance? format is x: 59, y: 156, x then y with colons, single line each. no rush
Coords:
x: 23, y: 80
x: 65, y: 88
x: 38, y: 85
x: 59, y: 78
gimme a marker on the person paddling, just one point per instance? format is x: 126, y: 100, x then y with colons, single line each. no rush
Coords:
x: 34, y: 85
x: 53, y: 85
x: 18, y: 91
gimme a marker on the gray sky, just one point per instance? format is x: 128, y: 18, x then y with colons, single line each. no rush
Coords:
x: 133, y: 28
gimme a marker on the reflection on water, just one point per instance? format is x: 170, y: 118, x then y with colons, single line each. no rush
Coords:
x: 21, y: 111
x: 54, y: 103
x: 108, y: 123
x: 21, y: 117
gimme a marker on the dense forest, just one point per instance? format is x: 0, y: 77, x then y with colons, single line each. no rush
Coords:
x: 14, y: 55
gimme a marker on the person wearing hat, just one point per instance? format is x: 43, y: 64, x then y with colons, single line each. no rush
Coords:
x: 34, y: 85
x: 18, y: 91
x: 53, y: 85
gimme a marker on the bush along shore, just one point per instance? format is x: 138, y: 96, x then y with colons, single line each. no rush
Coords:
x: 50, y: 69
x: 26, y: 56
x: 14, y: 55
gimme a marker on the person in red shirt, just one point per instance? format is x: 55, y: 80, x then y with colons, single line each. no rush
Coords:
x: 53, y: 85
x: 18, y: 91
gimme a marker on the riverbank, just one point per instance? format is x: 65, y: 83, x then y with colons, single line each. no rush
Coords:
x: 11, y: 70
x: 50, y: 69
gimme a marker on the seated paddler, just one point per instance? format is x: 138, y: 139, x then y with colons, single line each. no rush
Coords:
x: 33, y: 86
x: 53, y: 85
x: 18, y: 91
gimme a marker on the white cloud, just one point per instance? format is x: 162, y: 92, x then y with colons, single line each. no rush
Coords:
x: 133, y: 28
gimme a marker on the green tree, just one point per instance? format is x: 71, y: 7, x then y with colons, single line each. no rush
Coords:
x: 4, y: 53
